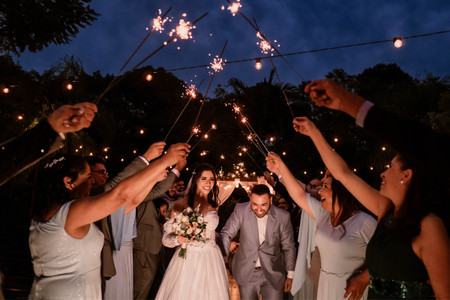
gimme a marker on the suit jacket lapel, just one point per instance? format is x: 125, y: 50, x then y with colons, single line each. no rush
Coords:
x: 270, y: 224
x: 253, y: 223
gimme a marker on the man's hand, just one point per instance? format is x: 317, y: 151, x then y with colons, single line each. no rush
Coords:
x: 181, y: 164
x: 328, y: 93
x: 162, y: 176
x: 288, y: 285
x: 154, y: 151
x: 71, y: 118
x: 175, y: 153
x: 234, y: 246
x: 357, y: 286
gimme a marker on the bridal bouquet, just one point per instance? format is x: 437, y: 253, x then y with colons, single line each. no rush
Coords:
x: 190, y: 224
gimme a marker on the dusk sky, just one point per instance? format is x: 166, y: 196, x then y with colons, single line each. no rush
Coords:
x: 295, y: 25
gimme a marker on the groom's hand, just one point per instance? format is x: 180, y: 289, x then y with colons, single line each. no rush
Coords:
x: 288, y: 285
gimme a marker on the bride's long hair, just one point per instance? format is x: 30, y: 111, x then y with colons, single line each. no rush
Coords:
x: 213, y: 193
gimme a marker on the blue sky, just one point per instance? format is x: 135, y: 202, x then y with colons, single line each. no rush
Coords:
x: 296, y: 25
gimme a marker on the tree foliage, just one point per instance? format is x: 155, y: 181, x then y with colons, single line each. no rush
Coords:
x: 35, y: 24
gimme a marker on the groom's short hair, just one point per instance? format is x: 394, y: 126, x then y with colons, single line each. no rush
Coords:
x: 260, y: 189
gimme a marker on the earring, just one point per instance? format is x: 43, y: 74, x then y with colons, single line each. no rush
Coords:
x: 401, y: 181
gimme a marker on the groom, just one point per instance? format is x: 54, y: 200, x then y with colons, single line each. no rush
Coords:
x: 267, y: 248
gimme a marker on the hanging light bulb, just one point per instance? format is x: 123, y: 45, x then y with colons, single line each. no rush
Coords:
x: 258, y: 64
x: 149, y: 77
x: 5, y: 90
x: 69, y: 86
x: 398, y: 42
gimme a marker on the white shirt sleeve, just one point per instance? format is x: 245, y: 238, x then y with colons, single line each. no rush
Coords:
x: 362, y: 113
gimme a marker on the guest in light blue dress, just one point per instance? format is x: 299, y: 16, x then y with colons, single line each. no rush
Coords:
x: 64, y: 244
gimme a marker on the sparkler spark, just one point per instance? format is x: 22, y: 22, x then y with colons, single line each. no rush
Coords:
x: 158, y: 22
x: 183, y: 30
x: 217, y: 64
x: 190, y: 92
x: 196, y: 129
x: 265, y: 46
x: 213, y: 126
x: 234, y: 7
x: 236, y: 109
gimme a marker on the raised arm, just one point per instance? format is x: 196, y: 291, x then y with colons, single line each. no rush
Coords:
x: 131, y: 191
x: 368, y: 196
x: 294, y: 188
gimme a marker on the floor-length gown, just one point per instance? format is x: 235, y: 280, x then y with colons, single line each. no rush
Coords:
x: 202, y: 274
x: 341, y: 252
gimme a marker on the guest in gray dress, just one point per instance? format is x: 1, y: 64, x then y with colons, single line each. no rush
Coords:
x: 65, y: 246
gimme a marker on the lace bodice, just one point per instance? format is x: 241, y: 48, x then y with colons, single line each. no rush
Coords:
x: 212, y: 221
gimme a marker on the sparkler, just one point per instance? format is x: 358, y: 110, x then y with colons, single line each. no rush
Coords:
x: 254, y: 26
x: 205, y: 136
x: 209, y: 86
x: 180, y: 30
x: 253, y: 136
x: 249, y: 155
x: 158, y: 24
x: 191, y: 94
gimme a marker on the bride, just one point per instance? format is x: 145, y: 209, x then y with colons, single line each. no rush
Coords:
x: 201, y: 274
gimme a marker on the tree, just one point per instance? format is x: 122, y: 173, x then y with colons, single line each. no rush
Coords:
x: 36, y: 24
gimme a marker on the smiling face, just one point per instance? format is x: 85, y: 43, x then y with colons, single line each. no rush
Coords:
x: 205, y: 183
x: 260, y: 204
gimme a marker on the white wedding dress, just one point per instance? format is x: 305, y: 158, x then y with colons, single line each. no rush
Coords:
x: 201, y: 275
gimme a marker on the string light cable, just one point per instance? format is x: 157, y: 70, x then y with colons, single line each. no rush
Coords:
x: 260, y: 58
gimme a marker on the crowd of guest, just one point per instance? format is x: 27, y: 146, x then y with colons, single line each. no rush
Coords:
x: 98, y: 236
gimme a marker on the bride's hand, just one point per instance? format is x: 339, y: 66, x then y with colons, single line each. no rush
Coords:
x: 182, y: 240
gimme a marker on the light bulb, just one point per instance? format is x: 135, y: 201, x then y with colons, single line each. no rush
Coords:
x: 398, y: 42
x: 258, y: 64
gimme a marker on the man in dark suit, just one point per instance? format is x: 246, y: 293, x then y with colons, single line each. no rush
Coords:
x: 148, y: 242
x: 266, y: 247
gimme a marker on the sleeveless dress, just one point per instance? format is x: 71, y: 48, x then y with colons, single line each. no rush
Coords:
x: 340, y: 255
x: 64, y: 267
x: 199, y: 276
x: 395, y: 270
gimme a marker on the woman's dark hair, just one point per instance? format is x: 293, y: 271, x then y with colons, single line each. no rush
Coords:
x: 347, y: 202
x: 50, y: 186
x: 213, y: 193
x: 417, y: 202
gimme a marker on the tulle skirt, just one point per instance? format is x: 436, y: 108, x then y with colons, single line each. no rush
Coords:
x: 199, y: 276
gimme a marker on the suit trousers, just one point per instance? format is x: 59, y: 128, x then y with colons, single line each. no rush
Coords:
x: 257, y: 285
x: 145, y: 266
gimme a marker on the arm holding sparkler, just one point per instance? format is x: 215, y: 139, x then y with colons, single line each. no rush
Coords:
x: 276, y: 165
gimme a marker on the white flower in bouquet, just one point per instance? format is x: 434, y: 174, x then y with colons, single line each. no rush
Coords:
x: 189, y: 224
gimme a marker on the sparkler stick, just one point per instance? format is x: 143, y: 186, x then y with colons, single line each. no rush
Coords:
x: 184, y: 108
x: 276, y: 73
x: 254, y: 161
x: 174, y: 37
x: 216, y: 68
x: 161, y: 19
x: 237, y: 10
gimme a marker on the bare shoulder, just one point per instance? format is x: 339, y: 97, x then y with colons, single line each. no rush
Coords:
x: 432, y: 224
x: 433, y: 235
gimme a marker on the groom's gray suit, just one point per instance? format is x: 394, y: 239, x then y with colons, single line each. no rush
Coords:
x: 276, y: 253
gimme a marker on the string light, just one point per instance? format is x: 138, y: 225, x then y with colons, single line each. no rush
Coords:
x: 69, y: 86
x: 383, y: 148
x: 284, y: 153
x: 141, y: 131
x: 258, y: 64
x: 5, y: 90
x: 336, y: 140
x: 20, y: 117
x: 398, y: 42
x: 149, y: 77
